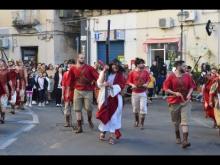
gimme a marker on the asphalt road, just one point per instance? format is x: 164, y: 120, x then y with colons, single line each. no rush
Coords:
x: 40, y: 131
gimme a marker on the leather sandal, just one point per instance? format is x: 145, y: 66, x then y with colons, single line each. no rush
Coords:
x: 111, y: 140
x: 102, y: 136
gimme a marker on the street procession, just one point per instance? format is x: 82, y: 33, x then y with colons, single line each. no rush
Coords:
x: 120, y: 85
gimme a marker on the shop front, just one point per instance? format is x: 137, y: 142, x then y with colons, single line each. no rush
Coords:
x: 163, y: 51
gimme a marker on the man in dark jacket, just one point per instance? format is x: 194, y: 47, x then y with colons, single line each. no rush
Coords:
x: 154, y: 68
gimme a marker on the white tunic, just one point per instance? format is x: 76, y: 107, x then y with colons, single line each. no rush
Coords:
x: 115, y: 121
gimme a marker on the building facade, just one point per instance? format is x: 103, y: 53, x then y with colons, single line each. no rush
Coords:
x: 37, y: 35
x: 156, y: 36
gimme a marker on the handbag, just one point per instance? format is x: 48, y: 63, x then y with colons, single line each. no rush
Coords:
x: 13, y: 98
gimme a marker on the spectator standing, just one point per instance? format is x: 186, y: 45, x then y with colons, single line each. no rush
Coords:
x: 29, y: 89
x: 48, y: 87
x: 58, y: 86
x: 50, y: 73
x: 41, y: 86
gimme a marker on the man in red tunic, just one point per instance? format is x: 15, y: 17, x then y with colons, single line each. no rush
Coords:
x: 138, y: 79
x: 2, y: 94
x: 210, y: 79
x: 68, y: 101
x: 22, y: 71
x: 179, y: 86
x: 14, y: 78
x: 82, y: 76
x: 4, y: 79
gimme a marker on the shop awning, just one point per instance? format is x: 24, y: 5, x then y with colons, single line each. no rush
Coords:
x: 160, y: 40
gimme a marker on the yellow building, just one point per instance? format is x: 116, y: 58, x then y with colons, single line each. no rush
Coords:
x: 37, y: 35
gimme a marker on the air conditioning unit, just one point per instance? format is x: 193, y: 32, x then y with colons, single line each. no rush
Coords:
x: 192, y: 15
x: 165, y: 23
x: 63, y: 14
x: 4, y: 43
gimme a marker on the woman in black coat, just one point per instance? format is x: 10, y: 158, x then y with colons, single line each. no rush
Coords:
x: 58, y: 86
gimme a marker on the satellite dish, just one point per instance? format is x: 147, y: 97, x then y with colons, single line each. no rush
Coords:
x: 209, y: 27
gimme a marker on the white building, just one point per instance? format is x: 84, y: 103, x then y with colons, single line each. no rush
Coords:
x: 155, y: 35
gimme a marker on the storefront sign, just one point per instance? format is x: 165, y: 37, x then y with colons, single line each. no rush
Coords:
x: 119, y: 34
x: 114, y: 35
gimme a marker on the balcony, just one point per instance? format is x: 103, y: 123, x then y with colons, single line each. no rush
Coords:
x: 25, y: 18
x: 68, y: 14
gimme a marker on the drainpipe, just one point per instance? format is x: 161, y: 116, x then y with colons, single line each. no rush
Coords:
x: 88, y: 42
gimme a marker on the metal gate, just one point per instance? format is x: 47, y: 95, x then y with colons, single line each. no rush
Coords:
x: 116, y: 49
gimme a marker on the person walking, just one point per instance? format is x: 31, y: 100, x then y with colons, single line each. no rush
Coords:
x: 110, y: 108
x: 4, y: 79
x: 210, y: 80
x: 179, y: 85
x: 214, y: 100
x: 138, y: 79
x: 68, y: 100
x: 82, y: 76
x: 14, y: 78
x: 21, y: 69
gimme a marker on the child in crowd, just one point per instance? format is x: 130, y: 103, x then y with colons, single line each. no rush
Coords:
x: 42, y: 85
x: 29, y: 90
x: 48, y: 87
x: 151, y: 86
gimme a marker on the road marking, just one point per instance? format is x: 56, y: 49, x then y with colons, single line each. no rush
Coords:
x: 7, y: 143
x: 8, y: 140
x: 201, y: 122
x: 29, y: 128
x: 56, y: 145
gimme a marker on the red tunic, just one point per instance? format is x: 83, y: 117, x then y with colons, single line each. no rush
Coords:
x: 65, y: 84
x: 82, y: 77
x: 2, y: 90
x: 138, y: 78
x: 4, y: 78
x: 209, y: 111
x: 13, y: 75
x: 21, y: 72
x: 22, y: 83
x: 178, y: 84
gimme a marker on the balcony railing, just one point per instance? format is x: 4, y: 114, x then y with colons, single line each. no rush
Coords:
x: 25, y: 18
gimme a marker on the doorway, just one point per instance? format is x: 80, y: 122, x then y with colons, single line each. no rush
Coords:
x: 29, y: 54
x: 158, y: 56
x: 160, y: 53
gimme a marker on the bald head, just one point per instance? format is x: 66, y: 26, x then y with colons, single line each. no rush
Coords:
x: 81, y: 59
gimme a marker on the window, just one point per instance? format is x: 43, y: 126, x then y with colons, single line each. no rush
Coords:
x: 157, y: 46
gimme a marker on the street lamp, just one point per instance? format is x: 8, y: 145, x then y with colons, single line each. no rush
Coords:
x: 182, y: 17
